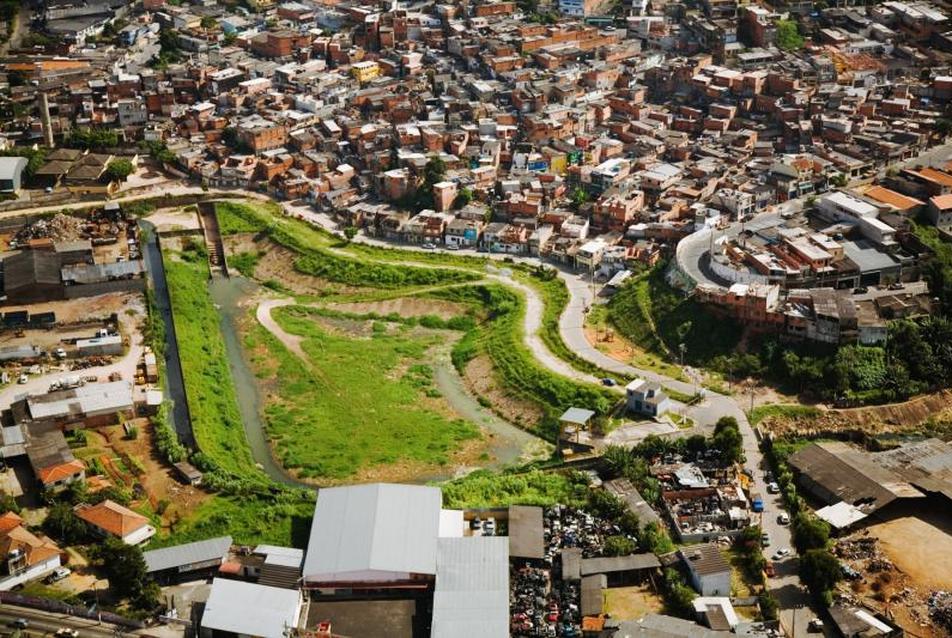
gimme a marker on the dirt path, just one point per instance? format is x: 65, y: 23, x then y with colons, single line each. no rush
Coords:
x: 290, y: 341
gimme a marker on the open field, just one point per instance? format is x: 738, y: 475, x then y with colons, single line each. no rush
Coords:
x: 928, y: 560
x: 363, y: 398
x: 632, y: 603
x: 451, y: 279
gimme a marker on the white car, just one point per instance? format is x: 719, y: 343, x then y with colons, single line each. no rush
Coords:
x: 773, y: 488
x: 67, y: 632
x: 781, y: 553
x: 784, y: 518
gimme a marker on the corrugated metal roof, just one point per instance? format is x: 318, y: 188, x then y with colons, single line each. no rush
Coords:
x: 608, y: 564
x: 378, y: 527
x: 526, y: 532
x: 172, y: 557
x: 92, y: 399
x: 472, y: 588
x: 249, y: 609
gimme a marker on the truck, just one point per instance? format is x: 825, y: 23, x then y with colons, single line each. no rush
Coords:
x: 756, y: 502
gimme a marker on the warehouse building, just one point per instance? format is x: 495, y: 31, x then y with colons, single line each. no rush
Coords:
x: 236, y: 608
x: 857, y: 483
x: 373, y: 537
x: 190, y: 561
x: 471, y: 597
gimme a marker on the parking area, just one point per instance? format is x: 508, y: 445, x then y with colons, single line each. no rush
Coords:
x: 370, y: 618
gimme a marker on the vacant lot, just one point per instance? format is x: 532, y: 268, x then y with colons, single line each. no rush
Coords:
x: 919, y: 548
x: 364, y: 399
x: 632, y: 603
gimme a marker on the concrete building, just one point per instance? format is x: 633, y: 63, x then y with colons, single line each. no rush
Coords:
x: 709, y: 571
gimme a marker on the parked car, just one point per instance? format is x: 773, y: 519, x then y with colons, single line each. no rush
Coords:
x: 781, y: 553
x: 67, y: 632
x: 765, y: 539
x: 784, y: 518
x: 58, y: 574
x: 428, y: 246
x: 20, y: 623
x: 23, y: 379
x: 773, y: 488
x: 815, y: 625
x: 608, y: 381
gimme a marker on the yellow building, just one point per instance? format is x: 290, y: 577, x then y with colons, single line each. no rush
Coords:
x: 365, y: 71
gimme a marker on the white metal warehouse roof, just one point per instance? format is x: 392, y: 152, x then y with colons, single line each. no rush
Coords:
x: 379, y: 527
x: 249, y: 609
x: 471, y: 597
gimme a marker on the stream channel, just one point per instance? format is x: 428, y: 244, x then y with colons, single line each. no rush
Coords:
x: 507, y: 444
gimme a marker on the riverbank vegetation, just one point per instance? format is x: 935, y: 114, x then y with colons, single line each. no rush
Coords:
x: 364, y: 399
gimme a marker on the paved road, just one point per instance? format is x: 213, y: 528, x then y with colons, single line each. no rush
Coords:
x: 43, y: 623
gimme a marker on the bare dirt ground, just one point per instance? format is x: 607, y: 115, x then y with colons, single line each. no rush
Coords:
x: 901, y: 562
x: 277, y: 264
x: 632, y: 603
x: 919, y: 548
x: 895, y: 417
x: 480, y: 381
x: 617, y: 347
x: 173, y: 219
x: 403, y: 306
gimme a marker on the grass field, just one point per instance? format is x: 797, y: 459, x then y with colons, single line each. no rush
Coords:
x: 212, y: 404
x: 783, y: 411
x: 359, y: 402
x: 248, y: 520
x: 484, y: 489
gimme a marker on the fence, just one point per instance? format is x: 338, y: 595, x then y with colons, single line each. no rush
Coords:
x: 59, y: 607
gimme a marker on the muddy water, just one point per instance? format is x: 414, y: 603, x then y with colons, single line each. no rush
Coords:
x: 506, y: 443
x: 228, y: 294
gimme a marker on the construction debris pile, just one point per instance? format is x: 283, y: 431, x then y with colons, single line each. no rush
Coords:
x: 59, y: 228
x: 940, y: 608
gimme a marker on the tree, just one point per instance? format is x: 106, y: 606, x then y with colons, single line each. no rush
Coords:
x: 208, y: 22
x: 728, y: 440
x: 619, y: 546
x: 578, y: 197
x: 839, y: 180
x: 679, y: 598
x: 788, y: 36
x: 809, y: 532
x: 62, y: 523
x: 464, y: 197
x: 9, y: 504
x: 434, y: 170
x: 126, y: 570
x: 820, y: 571
x: 350, y: 232
x: 119, y: 169
x: 93, y: 138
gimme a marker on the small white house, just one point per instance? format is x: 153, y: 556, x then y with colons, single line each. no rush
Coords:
x: 709, y: 570
x: 647, y: 398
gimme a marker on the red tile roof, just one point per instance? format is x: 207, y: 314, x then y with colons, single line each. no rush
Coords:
x: 112, y: 518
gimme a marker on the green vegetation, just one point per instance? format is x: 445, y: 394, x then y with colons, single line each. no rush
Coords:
x: 276, y: 521
x: 119, y: 169
x: 788, y: 36
x: 92, y: 138
x: 555, y: 298
x: 791, y: 411
x: 317, y: 260
x: 357, y: 403
x: 125, y: 568
x: 208, y: 383
x: 500, y: 337
x: 485, y: 489
x: 245, y: 262
x: 649, y: 312
x: 35, y: 157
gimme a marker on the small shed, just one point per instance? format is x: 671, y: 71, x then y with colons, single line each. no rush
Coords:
x: 573, y: 421
x: 592, y: 601
x: 188, y: 473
